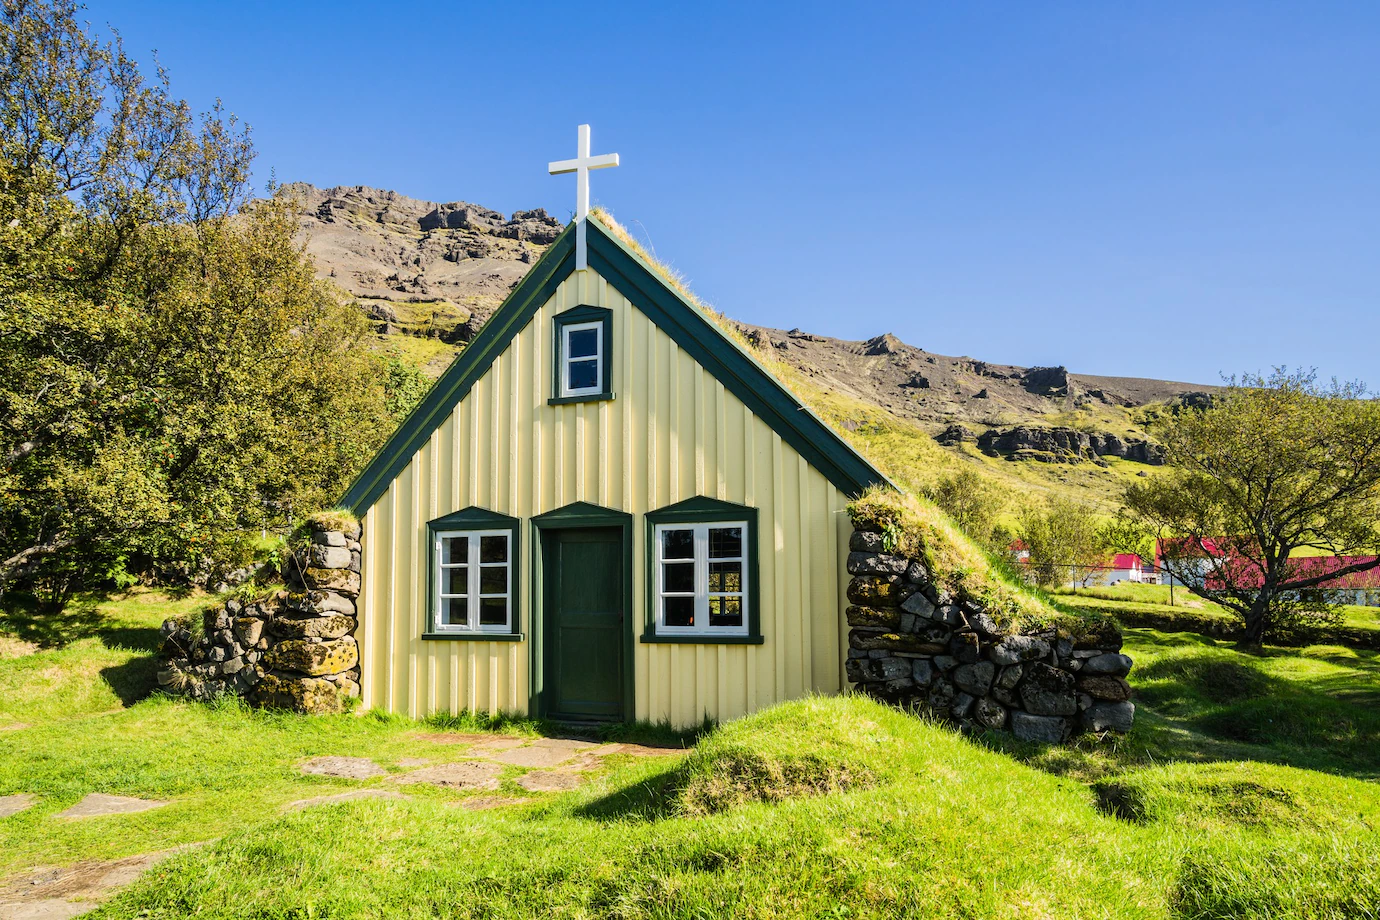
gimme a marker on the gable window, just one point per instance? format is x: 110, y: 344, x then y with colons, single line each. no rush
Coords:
x: 582, y: 351
x: 473, y: 575
x: 584, y: 357
x: 703, y: 560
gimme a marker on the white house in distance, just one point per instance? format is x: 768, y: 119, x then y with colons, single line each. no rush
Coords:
x: 1130, y: 567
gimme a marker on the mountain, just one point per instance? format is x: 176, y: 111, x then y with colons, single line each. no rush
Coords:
x: 430, y: 273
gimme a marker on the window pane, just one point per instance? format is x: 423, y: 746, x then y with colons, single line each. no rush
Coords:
x: 493, y: 611
x: 582, y: 343
x: 679, y: 576
x: 725, y: 611
x: 493, y: 549
x: 680, y: 611
x: 455, y: 581
x: 493, y: 579
x: 677, y: 544
x: 725, y: 542
x: 454, y: 612
x: 581, y: 375
x: 455, y: 549
x: 725, y: 576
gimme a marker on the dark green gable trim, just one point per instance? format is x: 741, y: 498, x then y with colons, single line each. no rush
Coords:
x: 819, y: 444
x: 474, y: 518
x: 472, y: 363
x: 581, y: 314
x: 576, y: 516
x: 738, y: 371
x: 704, y: 510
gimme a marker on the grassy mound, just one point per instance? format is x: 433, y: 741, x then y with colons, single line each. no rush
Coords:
x: 914, y: 527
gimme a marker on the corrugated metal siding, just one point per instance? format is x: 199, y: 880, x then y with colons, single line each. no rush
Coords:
x: 671, y: 433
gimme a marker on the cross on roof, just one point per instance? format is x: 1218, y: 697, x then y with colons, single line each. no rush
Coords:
x: 581, y: 166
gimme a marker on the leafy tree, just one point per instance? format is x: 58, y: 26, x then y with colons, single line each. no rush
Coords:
x: 174, y: 374
x: 1275, y: 470
x: 1063, y: 539
x: 971, y: 502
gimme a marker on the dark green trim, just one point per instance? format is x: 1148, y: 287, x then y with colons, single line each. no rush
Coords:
x: 578, y: 515
x: 516, y: 312
x: 702, y: 339
x: 475, y: 518
x: 704, y: 510
x: 581, y: 314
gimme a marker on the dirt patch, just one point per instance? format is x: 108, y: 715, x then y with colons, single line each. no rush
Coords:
x: 58, y: 893
x: 485, y: 802
x: 343, y: 767
x: 99, y: 805
x: 550, y: 781
x: 14, y: 647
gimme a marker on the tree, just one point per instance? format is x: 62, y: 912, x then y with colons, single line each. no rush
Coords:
x: 174, y: 374
x: 971, y: 502
x: 1275, y: 470
x: 1062, y: 537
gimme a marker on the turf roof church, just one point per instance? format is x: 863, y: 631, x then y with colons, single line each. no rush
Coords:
x: 605, y: 509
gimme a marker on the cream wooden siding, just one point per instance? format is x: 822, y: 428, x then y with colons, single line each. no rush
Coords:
x: 671, y: 433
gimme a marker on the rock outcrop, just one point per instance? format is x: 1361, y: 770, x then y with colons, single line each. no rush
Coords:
x: 1066, y: 445
x: 294, y: 649
x: 912, y: 645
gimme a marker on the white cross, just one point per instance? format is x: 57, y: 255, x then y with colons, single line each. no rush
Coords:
x: 581, y: 166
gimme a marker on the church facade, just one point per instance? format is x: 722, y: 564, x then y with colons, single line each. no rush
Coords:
x: 605, y: 510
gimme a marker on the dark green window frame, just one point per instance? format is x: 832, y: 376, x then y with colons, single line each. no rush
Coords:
x: 579, y: 316
x: 705, y: 510
x: 474, y: 518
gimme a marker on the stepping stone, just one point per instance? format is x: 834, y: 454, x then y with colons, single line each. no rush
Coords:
x: 550, y: 781
x: 343, y: 767
x: 534, y: 756
x: 468, y: 775
x: 351, y: 796
x: 485, y: 802
x: 14, y: 804
x: 56, y: 893
x: 98, y: 805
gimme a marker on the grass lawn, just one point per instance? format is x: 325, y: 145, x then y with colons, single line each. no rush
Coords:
x: 1150, y: 605
x: 1246, y: 790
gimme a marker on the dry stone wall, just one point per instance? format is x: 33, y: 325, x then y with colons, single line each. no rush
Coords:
x: 913, y: 645
x: 293, y: 650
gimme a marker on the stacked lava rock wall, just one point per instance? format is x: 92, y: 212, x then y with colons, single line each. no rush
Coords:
x: 292, y: 650
x: 913, y: 645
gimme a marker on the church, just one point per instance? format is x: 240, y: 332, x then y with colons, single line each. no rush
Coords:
x: 605, y: 510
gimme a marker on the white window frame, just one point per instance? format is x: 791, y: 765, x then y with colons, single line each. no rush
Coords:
x: 472, y: 581
x: 702, y: 593
x: 597, y: 358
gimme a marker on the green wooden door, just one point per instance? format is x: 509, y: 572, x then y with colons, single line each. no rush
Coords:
x: 584, y: 623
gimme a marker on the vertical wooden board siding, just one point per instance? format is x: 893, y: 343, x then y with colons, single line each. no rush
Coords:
x: 671, y: 432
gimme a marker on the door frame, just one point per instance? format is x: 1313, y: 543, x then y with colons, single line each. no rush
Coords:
x: 581, y: 516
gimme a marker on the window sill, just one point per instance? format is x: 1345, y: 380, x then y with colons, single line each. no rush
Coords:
x: 703, y: 640
x: 474, y: 636
x: 591, y: 397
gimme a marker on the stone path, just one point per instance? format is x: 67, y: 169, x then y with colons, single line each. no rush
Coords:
x: 343, y: 767
x: 98, y: 804
x: 549, y: 781
x: 472, y: 774
x: 57, y: 894
x: 351, y: 796
x: 14, y: 804
x: 485, y: 802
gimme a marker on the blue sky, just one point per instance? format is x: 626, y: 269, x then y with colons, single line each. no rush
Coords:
x: 1174, y: 190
